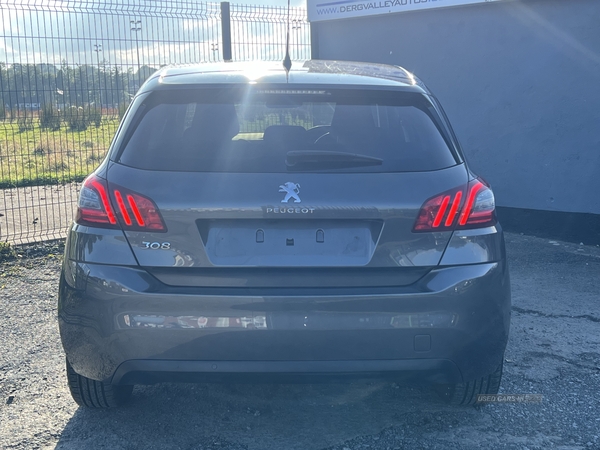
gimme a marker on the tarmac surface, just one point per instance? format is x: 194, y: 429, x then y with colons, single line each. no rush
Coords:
x: 35, y: 213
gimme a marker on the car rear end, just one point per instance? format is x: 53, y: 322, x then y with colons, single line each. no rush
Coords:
x: 287, y: 228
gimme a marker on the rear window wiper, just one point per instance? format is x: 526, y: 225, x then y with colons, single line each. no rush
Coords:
x: 322, y: 159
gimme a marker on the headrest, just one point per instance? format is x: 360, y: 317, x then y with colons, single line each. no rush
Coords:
x: 286, y: 135
x: 352, y: 118
x: 215, y: 122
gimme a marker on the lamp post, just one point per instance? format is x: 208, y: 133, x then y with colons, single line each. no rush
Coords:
x: 136, y: 25
x: 98, y: 49
x: 297, y: 25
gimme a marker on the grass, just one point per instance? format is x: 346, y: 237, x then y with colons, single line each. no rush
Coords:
x: 38, y: 156
x: 32, y: 156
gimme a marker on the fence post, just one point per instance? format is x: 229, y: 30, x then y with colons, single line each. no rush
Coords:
x: 226, y: 30
x: 314, y: 41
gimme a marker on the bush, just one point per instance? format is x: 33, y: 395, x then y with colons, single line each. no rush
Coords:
x: 14, y: 114
x: 50, y: 118
x: 7, y: 252
x: 25, y: 124
x: 40, y: 150
x: 2, y: 110
x: 95, y: 116
x: 122, y: 110
x: 76, y: 118
x: 80, y: 118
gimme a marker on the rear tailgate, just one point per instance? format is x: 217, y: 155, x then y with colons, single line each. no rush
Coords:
x: 233, y: 229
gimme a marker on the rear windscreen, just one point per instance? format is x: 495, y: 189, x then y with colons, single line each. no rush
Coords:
x: 281, y: 130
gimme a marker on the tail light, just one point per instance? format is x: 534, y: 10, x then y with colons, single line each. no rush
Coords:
x: 458, y: 209
x: 104, y: 205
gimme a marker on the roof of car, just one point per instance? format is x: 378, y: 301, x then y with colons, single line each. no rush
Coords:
x: 311, y: 72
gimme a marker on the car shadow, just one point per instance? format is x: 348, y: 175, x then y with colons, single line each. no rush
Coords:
x: 256, y: 416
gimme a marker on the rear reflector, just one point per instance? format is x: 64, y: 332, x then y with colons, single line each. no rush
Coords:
x: 122, y: 208
x: 133, y: 211
x: 143, y: 213
x: 461, y: 208
x: 453, y: 209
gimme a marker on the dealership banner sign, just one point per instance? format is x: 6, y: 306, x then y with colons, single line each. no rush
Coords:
x: 343, y: 9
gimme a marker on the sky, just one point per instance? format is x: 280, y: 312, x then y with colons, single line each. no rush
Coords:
x: 293, y: 3
x: 99, y: 31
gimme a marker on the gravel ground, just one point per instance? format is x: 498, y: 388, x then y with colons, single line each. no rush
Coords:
x: 553, y: 350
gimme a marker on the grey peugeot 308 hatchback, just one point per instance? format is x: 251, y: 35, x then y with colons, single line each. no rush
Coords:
x: 249, y: 221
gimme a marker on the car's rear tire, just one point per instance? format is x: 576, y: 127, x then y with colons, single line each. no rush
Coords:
x: 464, y: 394
x: 96, y: 394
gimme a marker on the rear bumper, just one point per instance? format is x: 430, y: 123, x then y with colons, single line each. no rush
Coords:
x: 122, y: 325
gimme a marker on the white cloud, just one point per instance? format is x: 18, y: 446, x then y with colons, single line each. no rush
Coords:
x: 52, y: 31
x: 293, y: 3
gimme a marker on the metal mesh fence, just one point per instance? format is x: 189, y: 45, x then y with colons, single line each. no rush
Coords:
x: 259, y: 33
x: 68, y: 70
